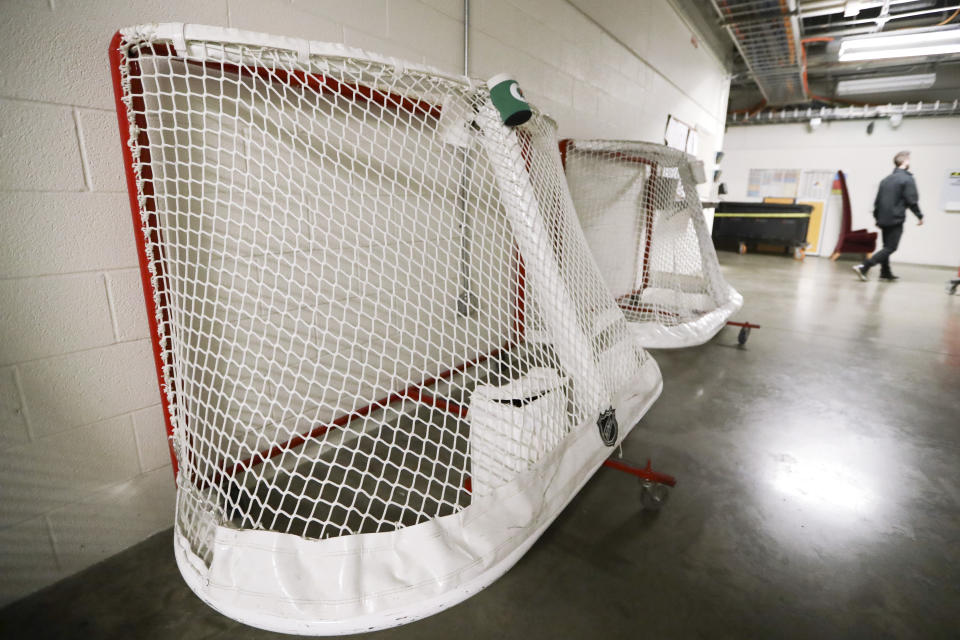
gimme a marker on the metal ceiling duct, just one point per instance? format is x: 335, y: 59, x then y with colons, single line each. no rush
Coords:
x: 767, y: 34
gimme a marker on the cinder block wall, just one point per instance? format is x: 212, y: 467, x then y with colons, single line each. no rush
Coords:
x: 84, y: 468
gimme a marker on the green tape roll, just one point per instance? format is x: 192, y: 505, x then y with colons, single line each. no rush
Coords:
x: 508, y: 99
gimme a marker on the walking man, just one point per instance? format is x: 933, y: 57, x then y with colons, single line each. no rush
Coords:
x: 897, y: 193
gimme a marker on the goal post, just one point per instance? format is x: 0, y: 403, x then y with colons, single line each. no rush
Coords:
x: 386, y: 358
x: 644, y: 222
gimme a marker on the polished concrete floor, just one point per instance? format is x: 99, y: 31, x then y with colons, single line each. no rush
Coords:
x: 818, y: 495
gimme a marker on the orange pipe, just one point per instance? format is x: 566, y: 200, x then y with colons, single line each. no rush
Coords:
x: 947, y: 20
x: 806, y: 85
x: 803, y: 63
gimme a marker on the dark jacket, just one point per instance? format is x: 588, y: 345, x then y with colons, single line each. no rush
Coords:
x: 897, y: 193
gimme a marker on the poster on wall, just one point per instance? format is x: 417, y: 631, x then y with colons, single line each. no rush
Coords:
x: 815, y: 189
x: 816, y: 184
x: 951, y: 192
x: 773, y: 183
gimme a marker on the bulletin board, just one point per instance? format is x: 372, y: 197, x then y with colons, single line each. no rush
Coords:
x: 773, y: 183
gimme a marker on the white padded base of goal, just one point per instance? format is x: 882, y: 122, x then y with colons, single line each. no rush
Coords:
x: 351, y: 584
x: 654, y: 335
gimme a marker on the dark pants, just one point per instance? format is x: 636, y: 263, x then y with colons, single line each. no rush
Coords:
x: 891, y: 240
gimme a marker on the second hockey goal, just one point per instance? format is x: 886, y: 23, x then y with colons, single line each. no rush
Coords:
x: 643, y: 220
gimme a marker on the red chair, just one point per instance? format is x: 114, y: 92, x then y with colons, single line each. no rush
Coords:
x: 851, y: 241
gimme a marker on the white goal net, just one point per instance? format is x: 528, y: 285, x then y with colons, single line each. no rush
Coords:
x: 387, y: 357
x: 643, y: 220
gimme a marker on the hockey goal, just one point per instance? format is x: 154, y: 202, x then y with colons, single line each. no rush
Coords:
x: 643, y: 220
x: 386, y: 357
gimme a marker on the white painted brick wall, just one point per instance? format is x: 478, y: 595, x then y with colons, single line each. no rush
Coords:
x: 94, y: 457
x: 40, y: 147
x: 61, y: 233
x: 369, y: 16
x: 27, y: 559
x: 101, y: 148
x: 279, y: 16
x: 13, y: 421
x: 84, y: 464
x: 35, y: 321
x: 153, y: 450
x: 363, y: 40
x: 125, y: 292
x: 75, y: 72
x: 78, y: 388
x: 94, y: 528
x: 410, y: 21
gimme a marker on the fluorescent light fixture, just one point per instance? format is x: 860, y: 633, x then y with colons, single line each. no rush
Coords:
x: 900, y: 45
x: 886, y: 83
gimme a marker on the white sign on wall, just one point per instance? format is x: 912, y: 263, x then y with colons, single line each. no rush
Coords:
x: 951, y: 192
x: 677, y: 134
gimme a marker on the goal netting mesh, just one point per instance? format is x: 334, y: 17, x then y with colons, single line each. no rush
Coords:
x: 387, y: 356
x: 644, y: 222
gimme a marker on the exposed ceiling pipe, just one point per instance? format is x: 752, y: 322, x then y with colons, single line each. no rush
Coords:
x: 852, y: 112
x: 949, y: 18
x: 816, y: 66
x: 466, y: 38
x: 803, y: 65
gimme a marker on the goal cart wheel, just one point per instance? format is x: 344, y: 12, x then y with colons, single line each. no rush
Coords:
x: 799, y: 253
x: 743, y: 336
x: 742, y: 248
x: 653, y: 495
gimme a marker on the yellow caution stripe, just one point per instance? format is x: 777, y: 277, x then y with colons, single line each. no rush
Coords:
x: 761, y: 215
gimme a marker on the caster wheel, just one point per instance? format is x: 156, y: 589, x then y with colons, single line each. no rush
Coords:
x: 743, y: 335
x: 742, y: 248
x: 652, y: 495
x: 799, y: 253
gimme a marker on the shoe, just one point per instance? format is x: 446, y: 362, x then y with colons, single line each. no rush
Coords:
x: 861, y: 272
x: 889, y: 277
